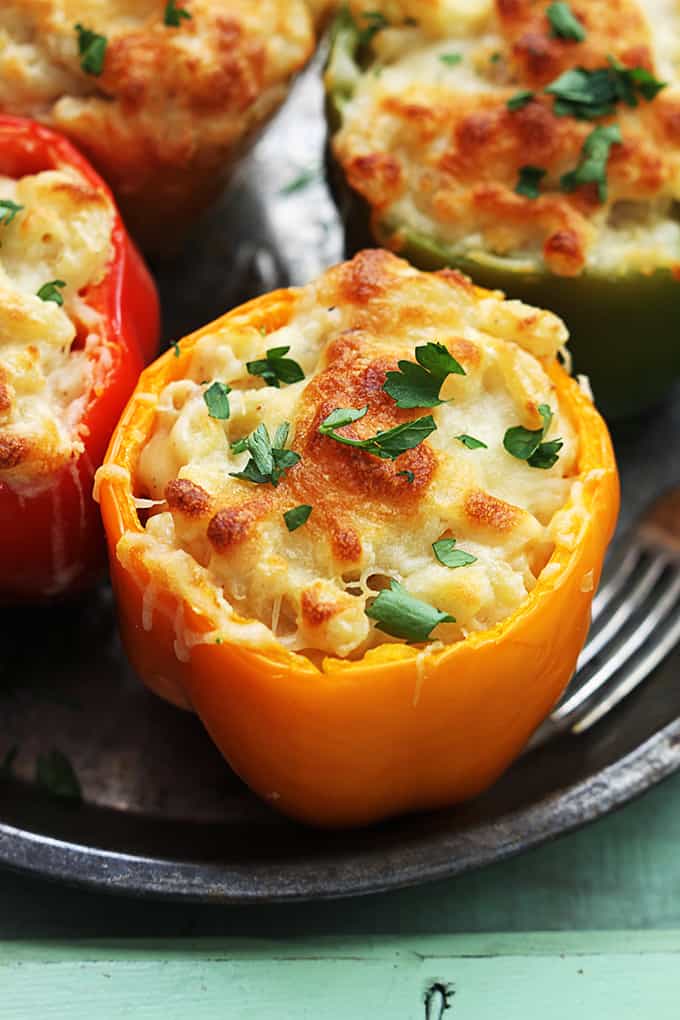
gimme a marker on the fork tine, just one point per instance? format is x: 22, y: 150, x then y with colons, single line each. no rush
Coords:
x: 631, y: 680
x: 635, y: 597
x: 665, y: 603
x: 613, y: 584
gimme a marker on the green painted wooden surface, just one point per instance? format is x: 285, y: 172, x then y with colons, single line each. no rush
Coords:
x: 631, y: 977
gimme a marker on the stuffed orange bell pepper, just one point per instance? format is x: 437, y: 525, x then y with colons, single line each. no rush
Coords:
x: 357, y: 527
x: 79, y: 318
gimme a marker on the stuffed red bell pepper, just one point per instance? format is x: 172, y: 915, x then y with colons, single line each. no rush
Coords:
x: 79, y: 317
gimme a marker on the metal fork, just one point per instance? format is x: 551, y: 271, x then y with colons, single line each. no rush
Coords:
x: 636, y: 622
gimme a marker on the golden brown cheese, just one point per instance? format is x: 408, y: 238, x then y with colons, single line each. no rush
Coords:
x: 62, y: 232
x: 434, y: 149
x: 173, y: 105
x: 309, y: 589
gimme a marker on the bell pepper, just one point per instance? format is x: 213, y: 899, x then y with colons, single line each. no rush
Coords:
x: 622, y: 327
x: 340, y: 742
x: 51, y: 540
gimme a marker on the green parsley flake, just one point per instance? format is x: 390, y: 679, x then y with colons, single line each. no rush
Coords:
x: 451, y: 557
x: 528, y: 445
x: 419, y: 385
x: 399, y: 614
x: 268, y: 460
x: 494, y: 58
x: 55, y: 774
x: 529, y: 181
x: 176, y: 348
x: 594, y: 158
x: 451, y: 59
x: 50, y: 291
x: 173, y: 14
x: 303, y: 180
x: 564, y: 23
x: 386, y: 445
x: 588, y: 95
x: 92, y: 49
x: 298, y: 516
x: 8, y: 210
x: 471, y: 442
x: 408, y: 475
x: 520, y: 100
x: 375, y: 22
x: 217, y: 400
x: 276, y: 368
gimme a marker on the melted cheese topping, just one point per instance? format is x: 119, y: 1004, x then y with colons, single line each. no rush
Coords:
x: 434, y: 150
x: 173, y: 104
x: 223, y: 541
x: 63, y: 232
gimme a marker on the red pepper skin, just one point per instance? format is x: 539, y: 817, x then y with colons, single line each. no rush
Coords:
x: 51, y: 539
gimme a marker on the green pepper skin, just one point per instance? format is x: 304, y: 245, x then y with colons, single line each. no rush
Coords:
x: 624, y: 329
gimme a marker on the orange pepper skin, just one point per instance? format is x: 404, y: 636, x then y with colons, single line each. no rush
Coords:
x: 351, y: 743
x: 51, y: 539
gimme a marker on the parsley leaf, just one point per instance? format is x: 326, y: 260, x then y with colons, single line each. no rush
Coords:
x: 528, y: 445
x: 376, y: 21
x: 55, y: 774
x: 387, y: 445
x: 564, y: 23
x: 529, y: 181
x: 176, y: 348
x: 217, y: 400
x: 8, y: 210
x: 92, y: 49
x: 298, y: 516
x: 399, y: 614
x: 174, y: 14
x: 303, y: 179
x: 408, y: 475
x: 471, y: 442
x: 419, y: 385
x: 268, y: 462
x: 275, y: 368
x: 50, y: 291
x: 588, y: 95
x: 594, y: 158
x: 520, y: 100
x: 450, y: 59
x: 451, y: 557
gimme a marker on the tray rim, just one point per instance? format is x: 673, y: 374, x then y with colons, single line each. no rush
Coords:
x: 164, y: 879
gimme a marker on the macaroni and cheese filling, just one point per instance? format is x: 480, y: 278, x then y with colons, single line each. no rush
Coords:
x: 538, y: 132
x: 55, y: 241
x: 389, y: 465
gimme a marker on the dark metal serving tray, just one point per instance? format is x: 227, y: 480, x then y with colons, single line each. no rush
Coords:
x: 162, y: 815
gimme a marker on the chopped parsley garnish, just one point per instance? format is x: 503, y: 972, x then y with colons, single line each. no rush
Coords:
x: 217, y: 400
x: 494, y: 58
x: 587, y: 95
x: 530, y: 178
x: 174, y: 14
x: 594, y: 158
x: 51, y: 291
x: 276, y: 368
x: 520, y: 100
x: 298, y: 516
x: 399, y: 614
x: 303, y: 180
x: 449, y: 556
x: 55, y: 774
x: 564, y: 23
x: 408, y: 475
x: 176, y: 348
x: 8, y: 210
x: 450, y: 59
x: 268, y: 460
x: 375, y: 22
x: 419, y: 385
x: 471, y: 442
x: 7, y: 763
x: 528, y: 444
x: 92, y: 49
x: 387, y: 445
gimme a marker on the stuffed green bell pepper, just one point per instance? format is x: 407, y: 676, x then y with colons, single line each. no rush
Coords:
x: 536, y: 147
